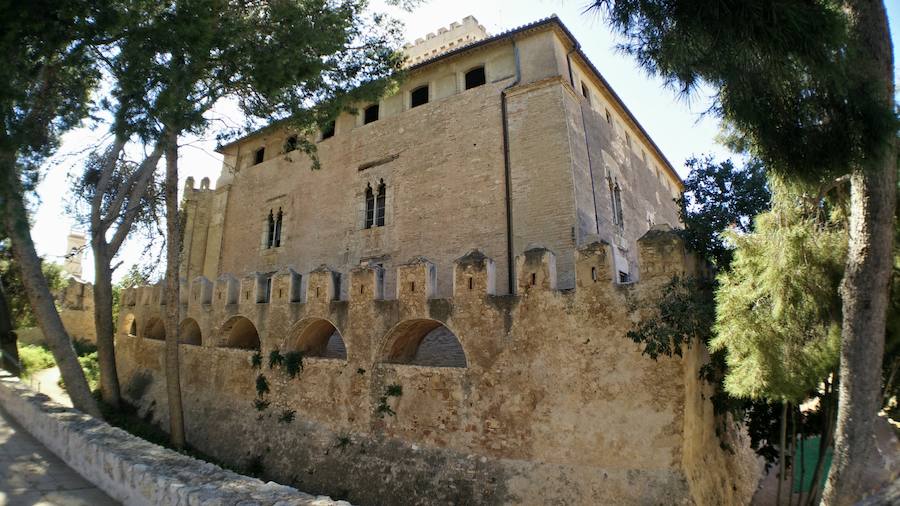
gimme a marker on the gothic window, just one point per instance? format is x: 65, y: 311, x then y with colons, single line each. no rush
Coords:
x: 370, y: 207
x: 375, y: 205
x: 273, y: 228
x: 270, y: 230
x: 379, y: 205
x: 276, y: 241
x: 475, y: 78
x: 615, y: 197
x: 370, y: 115
x: 328, y: 130
x: 259, y: 156
x: 419, y: 96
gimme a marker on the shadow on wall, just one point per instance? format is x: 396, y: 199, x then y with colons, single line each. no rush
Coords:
x: 240, y: 333
x: 424, y: 342
x: 317, y: 337
x: 189, y: 332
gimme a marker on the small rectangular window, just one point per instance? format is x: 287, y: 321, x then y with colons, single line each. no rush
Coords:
x: 328, y: 130
x: 290, y: 144
x: 608, y: 117
x: 475, y: 78
x: 370, y: 115
x: 585, y: 92
x: 259, y: 156
x: 624, y: 277
x: 419, y: 96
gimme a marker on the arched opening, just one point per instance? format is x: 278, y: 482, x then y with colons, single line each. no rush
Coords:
x: 317, y: 337
x: 155, y: 329
x: 475, y: 78
x: 424, y: 342
x: 189, y: 332
x: 129, y: 325
x: 240, y: 332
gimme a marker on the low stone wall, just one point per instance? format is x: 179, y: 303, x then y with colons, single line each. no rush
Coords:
x: 132, y: 470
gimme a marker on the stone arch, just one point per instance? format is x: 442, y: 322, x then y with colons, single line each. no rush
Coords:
x: 129, y: 325
x: 239, y: 332
x: 189, y: 332
x: 317, y: 337
x: 155, y: 329
x: 424, y: 342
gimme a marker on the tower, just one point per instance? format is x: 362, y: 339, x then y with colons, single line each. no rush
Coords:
x: 75, y: 244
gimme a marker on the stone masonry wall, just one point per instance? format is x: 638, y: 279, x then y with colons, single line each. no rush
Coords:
x: 555, y: 404
x: 132, y: 470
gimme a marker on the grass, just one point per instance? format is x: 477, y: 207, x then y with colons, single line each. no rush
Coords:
x: 34, y: 358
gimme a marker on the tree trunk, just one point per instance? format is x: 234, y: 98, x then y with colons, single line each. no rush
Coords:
x: 105, y: 327
x: 173, y: 255
x: 16, y: 220
x: 8, y: 341
x: 864, y: 289
x: 782, y: 442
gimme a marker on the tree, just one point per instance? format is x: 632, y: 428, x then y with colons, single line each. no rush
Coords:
x: 718, y: 196
x: 811, y: 85
x: 300, y: 62
x: 118, y: 194
x: 44, y: 91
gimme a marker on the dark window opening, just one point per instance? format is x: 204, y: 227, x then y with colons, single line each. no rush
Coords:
x: 624, y: 277
x: 278, y: 219
x: 471, y: 283
x: 259, y: 156
x: 370, y: 207
x: 608, y: 117
x: 379, y: 205
x: 270, y: 230
x: 533, y: 279
x: 593, y: 274
x: 290, y: 144
x: 328, y: 130
x: 585, y: 92
x: 412, y: 286
x: 475, y: 78
x: 615, y: 203
x: 370, y: 115
x: 419, y: 96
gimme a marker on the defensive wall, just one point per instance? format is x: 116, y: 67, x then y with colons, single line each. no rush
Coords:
x: 551, y: 403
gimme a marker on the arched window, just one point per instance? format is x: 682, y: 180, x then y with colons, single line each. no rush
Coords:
x: 239, y: 332
x: 424, y: 342
x: 278, y: 218
x: 370, y: 207
x: 419, y: 96
x: 379, y: 204
x: 615, y: 196
x: 270, y: 229
x: 475, y: 78
x: 189, y: 332
x: 317, y: 337
x: 273, y: 228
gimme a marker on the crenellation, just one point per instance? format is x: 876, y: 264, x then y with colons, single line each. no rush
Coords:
x: 323, y: 286
x: 416, y: 284
x: 593, y: 265
x: 227, y: 290
x: 366, y: 284
x: 201, y: 291
x: 474, y: 276
x: 662, y: 254
x: 535, y: 270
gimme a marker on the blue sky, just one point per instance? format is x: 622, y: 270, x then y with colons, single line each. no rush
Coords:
x: 676, y: 123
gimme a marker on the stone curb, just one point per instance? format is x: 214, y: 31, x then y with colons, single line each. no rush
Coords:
x: 135, y: 471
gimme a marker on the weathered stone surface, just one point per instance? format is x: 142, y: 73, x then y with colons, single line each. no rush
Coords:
x: 552, y: 403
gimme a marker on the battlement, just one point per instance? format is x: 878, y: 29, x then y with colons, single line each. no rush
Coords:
x: 661, y: 251
x: 446, y: 39
x: 537, y: 384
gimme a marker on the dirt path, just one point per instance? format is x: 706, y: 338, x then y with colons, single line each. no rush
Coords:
x: 46, y: 382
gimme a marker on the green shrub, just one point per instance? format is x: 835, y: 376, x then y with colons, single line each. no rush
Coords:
x: 34, y: 358
x: 91, y: 368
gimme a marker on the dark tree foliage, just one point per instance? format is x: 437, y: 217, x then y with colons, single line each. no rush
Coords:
x: 718, y: 196
x: 794, y: 95
x: 11, y: 278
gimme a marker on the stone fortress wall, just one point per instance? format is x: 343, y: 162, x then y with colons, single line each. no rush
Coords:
x: 551, y: 403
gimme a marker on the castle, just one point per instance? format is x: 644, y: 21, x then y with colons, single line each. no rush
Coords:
x: 438, y: 314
